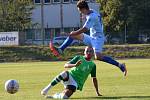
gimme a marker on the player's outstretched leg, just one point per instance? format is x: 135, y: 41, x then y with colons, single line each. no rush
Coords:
x: 62, y: 76
x: 57, y: 96
x: 59, y: 51
x: 64, y: 95
x: 123, y: 68
x: 110, y: 60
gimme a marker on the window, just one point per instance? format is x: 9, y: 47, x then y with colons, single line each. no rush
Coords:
x: 52, y: 32
x: 57, y: 31
x: 67, y: 30
x: 56, y: 1
x: 47, y: 34
x: 38, y: 34
x: 47, y: 1
x: 93, y: 0
x: 37, y: 1
x: 75, y: 0
x: 66, y: 1
x: 29, y: 34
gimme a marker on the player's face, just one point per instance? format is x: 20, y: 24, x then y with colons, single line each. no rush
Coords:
x: 88, y: 52
x: 83, y: 11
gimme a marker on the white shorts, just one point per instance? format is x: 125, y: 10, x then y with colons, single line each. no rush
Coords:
x: 96, y: 43
x: 70, y: 81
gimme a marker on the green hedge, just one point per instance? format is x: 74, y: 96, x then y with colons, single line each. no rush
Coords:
x: 37, y: 53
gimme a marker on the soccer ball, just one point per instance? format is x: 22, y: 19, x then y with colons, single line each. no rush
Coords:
x: 11, y: 86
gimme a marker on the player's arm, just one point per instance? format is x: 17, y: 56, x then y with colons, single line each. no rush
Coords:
x: 87, y: 25
x: 68, y: 65
x: 94, y: 80
x: 73, y: 63
x: 79, y: 31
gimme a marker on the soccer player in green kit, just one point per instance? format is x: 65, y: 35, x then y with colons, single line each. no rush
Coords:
x: 74, y: 79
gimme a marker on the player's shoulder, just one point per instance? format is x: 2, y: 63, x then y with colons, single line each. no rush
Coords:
x: 93, y: 16
x: 74, y: 59
x: 94, y: 13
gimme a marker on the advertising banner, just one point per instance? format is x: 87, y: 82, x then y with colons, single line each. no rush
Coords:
x: 9, y: 38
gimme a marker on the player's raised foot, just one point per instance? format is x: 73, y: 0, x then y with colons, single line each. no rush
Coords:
x: 44, y: 91
x: 56, y: 51
x: 123, y: 69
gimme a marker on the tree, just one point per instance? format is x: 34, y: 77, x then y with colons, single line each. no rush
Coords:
x: 116, y: 13
x: 131, y: 13
x: 15, y: 14
x: 110, y: 9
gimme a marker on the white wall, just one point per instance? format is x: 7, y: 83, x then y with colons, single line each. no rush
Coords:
x: 71, y: 16
x: 52, y: 18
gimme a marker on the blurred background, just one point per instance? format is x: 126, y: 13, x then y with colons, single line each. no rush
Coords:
x: 37, y: 21
x: 27, y: 26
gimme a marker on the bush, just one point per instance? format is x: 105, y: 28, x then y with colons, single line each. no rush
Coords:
x: 37, y: 53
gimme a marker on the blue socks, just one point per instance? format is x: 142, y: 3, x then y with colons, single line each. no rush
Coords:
x: 110, y: 61
x: 66, y: 43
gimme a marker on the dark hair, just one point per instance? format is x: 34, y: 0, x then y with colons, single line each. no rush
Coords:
x: 82, y: 4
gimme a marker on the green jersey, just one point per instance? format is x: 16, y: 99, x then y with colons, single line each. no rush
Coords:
x: 81, y: 72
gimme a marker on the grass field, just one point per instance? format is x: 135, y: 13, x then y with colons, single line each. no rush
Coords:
x: 35, y: 75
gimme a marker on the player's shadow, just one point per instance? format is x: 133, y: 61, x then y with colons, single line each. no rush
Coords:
x: 115, y: 97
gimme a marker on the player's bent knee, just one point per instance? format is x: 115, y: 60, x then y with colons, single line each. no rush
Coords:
x: 65, y: 75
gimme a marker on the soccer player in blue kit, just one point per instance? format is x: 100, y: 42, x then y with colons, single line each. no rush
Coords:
x: 96, y: 38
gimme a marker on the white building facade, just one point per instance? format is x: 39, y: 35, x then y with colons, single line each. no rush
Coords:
x: 59, y: 18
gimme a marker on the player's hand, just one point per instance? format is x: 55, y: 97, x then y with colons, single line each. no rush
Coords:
x: 78, y: 63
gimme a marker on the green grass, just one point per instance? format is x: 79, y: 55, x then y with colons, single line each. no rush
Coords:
x: 34, y: 76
